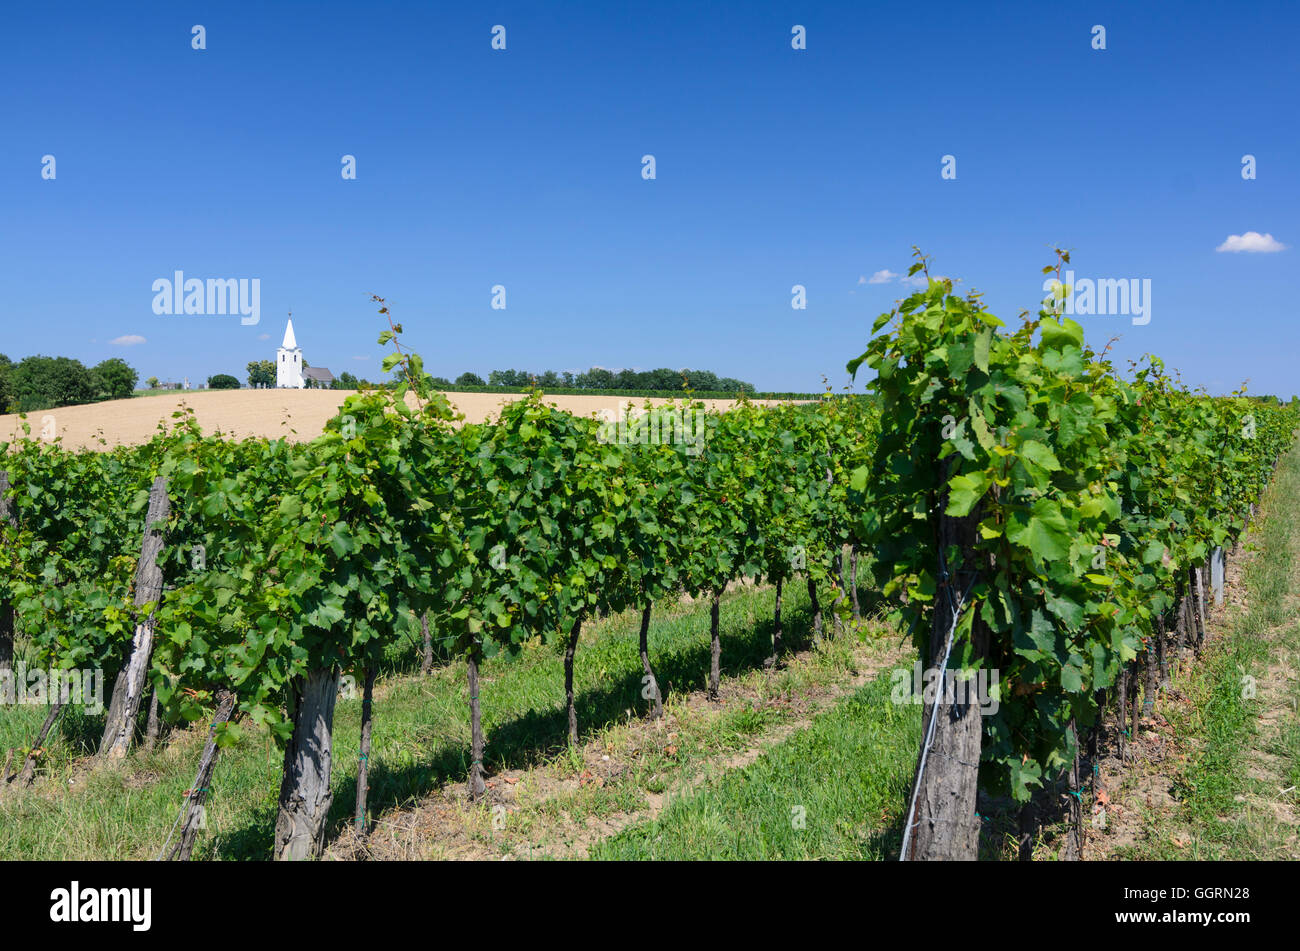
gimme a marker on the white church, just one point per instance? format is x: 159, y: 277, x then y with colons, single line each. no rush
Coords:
x: 289, y: 371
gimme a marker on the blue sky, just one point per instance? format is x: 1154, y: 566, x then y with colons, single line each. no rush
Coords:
x: 522, y: 167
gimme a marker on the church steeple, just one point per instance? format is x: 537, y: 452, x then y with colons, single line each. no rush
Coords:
x: 288, y: 364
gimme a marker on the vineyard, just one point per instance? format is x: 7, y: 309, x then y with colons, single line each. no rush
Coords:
x: 1003, y: 497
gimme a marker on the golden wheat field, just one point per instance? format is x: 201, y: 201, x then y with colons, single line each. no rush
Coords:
x: 298, y: 415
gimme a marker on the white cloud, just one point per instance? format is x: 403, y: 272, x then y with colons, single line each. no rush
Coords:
x: 263, y: 336
x: 360, y: 358
x: 127, y: 340
x: 1251, y: 241
x: 880, y: 277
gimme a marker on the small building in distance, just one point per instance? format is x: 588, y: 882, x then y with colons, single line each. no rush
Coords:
x: 318, y: 378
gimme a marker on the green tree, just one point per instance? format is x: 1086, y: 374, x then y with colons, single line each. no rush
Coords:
x: 470, y: 379
x: 597, y: 378
x: 46, y: 382
x: 663, y: 378
x: 261, y: 373
x: 223, y: 381
x: 115, y: 378
x: 152, y: 383
x: 704, y: 380
x: 510, y: 378
x: 6, y: 394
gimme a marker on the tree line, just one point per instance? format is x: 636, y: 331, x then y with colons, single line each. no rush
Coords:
x: 262, y: 374
x: 40, y: 382
x: 599, y: 378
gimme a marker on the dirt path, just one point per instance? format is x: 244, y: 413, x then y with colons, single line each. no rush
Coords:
x: 1276, y: 696
x: 1140, y: 804
x: 625, y: 775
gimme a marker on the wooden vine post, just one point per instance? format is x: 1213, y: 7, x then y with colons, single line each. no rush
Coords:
x: 776, y: 627
x: 476, y: 784
x: 1161, y: 659
x: 650, y: 681
x: 426, y: 665
x: 1122, y: 697
x: 1134, y: 706
x: 28, y: 773
x: 363, y: 763
x: 1074, y: 843
x: 128, y: 691
x: 945, y: 826
x: 570, y: 648
x: 195, y: 816
x: 816, y: 608
x: 715, y: 643
x: 152, y: 725
x: 1198, y: 575
x: 853, y: 582
x: 1217, y: 572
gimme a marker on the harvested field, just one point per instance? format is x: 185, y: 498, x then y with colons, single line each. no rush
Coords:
x: 300, y: 415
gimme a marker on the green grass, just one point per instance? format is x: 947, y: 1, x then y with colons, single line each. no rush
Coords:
x: 1219, y: 814
x: 420, y: 737
x: 832, y: 791
x: 160, y: 391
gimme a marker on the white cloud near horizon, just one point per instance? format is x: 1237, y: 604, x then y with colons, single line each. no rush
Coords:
x: 880, y: 277
x: 1251, y: 242
x: 128, y: 340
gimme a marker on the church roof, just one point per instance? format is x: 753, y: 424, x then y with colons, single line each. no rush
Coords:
x: 290, y: 342
x: 318, y: 373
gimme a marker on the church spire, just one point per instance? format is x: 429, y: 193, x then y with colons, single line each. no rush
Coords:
x: 288, y: 364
